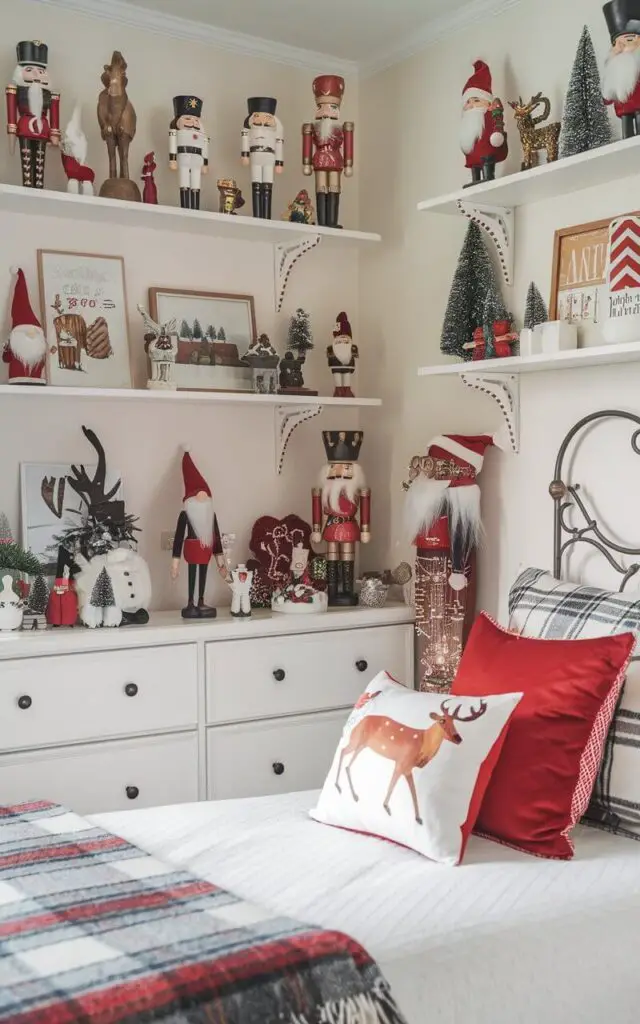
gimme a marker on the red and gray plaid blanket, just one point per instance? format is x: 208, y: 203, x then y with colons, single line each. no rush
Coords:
x: 94, y: 929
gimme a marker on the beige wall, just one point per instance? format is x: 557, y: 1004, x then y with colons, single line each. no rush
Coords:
x: 410, y: 117
x: 234, y: 447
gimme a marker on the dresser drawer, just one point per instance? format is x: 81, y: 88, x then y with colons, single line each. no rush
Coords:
x: 77, y: 697
x: 285, y: 675
x: 262, y: 758
x: 117, y: 776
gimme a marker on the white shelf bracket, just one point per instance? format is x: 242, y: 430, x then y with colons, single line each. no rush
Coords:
x: 504, y: 389
x: 286, y: 255
x: 499, y: 224
x: 287, y: 419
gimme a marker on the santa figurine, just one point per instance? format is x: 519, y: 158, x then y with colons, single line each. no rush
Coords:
x: 263, y: 150
x: 25, y: 351
x: 73, y: 150
x: 327, y: 148
x: 198, y: 539
x: 150, y: 189
x: 483, y: 139
x: 342, y: 494
x: 341, y: 357
x: 621, y: 78
x: 33, y: 111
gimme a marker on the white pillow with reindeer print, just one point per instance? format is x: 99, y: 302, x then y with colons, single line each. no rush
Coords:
x: 413, y: 767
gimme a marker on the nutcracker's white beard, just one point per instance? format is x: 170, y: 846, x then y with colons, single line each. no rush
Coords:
x: 200, y: 515
x: 28, y: 345
x: 36, y: 101
x: 471, y: 127
x: 429, y: 499
x: 325, y: 126
x: 621, y: 75
x: 333, y: 490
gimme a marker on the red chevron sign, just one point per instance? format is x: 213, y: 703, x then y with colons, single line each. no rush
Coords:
x: 624, y: 254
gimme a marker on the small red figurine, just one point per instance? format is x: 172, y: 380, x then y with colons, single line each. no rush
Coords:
x: 26, y: 349
x: 62, y: 609
x: 327, y: 148
x: 73, y: 151
x: 33, y: 111
x: 483, y: 139
x: 150, y: 190
x: 341, y: 356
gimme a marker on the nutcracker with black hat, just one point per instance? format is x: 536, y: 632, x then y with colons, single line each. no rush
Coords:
x: 442, y: 520
x: 263, y: 150
x: 26, y: 349
x: 621, y: 77
x: 483, y: 138
x: 33, y: 111
x: 197, y: 539
x: 327, y: 148
x: 188, y: 149
x: 338, y: 502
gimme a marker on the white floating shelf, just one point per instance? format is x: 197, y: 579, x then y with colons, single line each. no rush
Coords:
x: 600, y: 355
x: 210, y: 397
x: 46, y: 203
x: 586, y: 170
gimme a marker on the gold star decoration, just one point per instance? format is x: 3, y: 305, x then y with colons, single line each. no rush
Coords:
x: 193, y: 103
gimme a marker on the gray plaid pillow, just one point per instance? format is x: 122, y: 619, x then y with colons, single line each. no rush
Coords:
x: 544, y: 607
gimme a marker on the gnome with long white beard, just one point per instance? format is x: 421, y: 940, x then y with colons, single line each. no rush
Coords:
x: 33, y: 111
x: 621, y: 78
x: 198, y: 539
x: 336, y: 504
x: 483, y: 138
x: 26, y: 349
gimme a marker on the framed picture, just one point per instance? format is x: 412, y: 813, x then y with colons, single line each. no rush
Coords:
x: 48, y: 504
x: 84, y: 309
x: 579, y: 291
x: 214, y: 332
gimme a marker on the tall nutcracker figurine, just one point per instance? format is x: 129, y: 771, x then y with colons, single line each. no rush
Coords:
x: 263, y: 149
x: 335, y: 503
x: 327, y: 148
x: 33, y: 111
x: 621, y: 78
x: 188, y: 148
x: 197, y: 537
x: 483, y: 139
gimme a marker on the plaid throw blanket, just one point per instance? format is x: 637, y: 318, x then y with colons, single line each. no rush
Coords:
x: 93, y: 929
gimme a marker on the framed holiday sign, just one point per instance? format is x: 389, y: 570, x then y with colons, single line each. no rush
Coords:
x: 215, y: 330
x: 84, y: 309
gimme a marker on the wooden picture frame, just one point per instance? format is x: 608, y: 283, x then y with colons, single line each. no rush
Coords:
x: 83, y: 301
x: 214, y: 331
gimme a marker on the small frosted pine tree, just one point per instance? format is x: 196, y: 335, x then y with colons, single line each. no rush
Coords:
x: 185, y: 330
x: 535, y: 310
x: 211, y: 332
x: 585, y: 121
x: 196, y: 332
x: 300, y: 339
x: 38, y: 596
x: 102, y: 595
x: 221, y: 335
x: 6, y: 536
x: 473, y: 280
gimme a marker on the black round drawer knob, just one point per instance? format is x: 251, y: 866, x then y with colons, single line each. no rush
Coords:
x: 24, y: 703
x: 132, y: 792
x: 362, y: 665
x: 279, y: 674
x: 131, y: 689
x: 278, y: 768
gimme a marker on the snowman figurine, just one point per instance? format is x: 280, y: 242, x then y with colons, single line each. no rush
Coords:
x: 11, y: 607
x: 241, y: 581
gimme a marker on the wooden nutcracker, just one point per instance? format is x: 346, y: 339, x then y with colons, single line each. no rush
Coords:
x: 327, y: 148
x: 188, y: 149
x: 33, y: 111
x: 336, y: 504
x: 263, y: 150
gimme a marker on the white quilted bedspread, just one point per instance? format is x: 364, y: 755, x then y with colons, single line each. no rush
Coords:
x: 503, y: 939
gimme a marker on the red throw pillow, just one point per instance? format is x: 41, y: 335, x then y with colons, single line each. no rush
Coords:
x: 551, y: 755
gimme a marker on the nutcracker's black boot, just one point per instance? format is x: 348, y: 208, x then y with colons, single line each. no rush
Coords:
x: 185, y: 198
x: 347, y: 598
x: 332, y: 582
x: 333, y: 207
x: 321, y: 208
x: 488, y: 169
x: 257, y: 198
x: 637, y: 124
x: 203, y: 610
x: 195, y: 198
x: 476, y: 177
x: 28, y: 164
x: 628, y: 123
x: 267, y: 194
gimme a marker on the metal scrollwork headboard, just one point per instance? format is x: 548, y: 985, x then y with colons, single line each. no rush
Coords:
x: 567, y: 498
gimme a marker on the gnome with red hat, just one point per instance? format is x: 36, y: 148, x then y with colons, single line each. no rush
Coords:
x: 327, y: 148
x: 198, y: 538
x: 341, y: 357
x: 483, y: 138
x: 442, y: 521
x: 25, y: 351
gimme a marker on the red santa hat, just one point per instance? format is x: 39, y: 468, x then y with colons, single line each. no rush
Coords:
x: 465, y: 451
x: 22, y: 314
x: 343, y: 326
x: 194, y: 482
x: 479, y: 85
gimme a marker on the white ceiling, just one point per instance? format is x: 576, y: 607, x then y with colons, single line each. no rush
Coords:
x: 352, y: 30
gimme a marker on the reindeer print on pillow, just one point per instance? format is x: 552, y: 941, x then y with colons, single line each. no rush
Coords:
x: 412, y: 768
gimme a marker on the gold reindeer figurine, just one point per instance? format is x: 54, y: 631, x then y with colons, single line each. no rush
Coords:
x: 534, y: 139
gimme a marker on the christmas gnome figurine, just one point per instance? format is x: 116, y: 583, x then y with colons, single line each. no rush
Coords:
x: 483, y: 139
x: 621, y: 79
x: 80, y: 177
x: 25, y: 351
x: 198, y: 539
x: 33, y: 111
x: 341, y: 357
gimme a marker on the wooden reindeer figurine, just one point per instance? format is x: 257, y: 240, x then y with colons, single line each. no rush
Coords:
x: 532, y: 137
x: 117, y: 120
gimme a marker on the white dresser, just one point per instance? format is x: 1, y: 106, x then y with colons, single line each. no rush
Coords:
x: 103, y: 720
